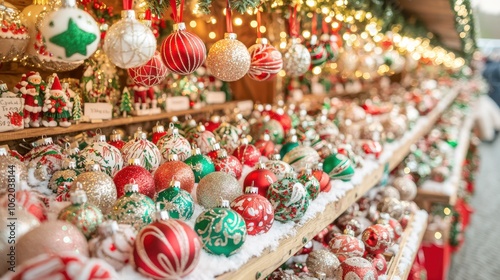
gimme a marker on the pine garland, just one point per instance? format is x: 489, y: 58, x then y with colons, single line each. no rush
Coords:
x: 240, y: 6
x: 158, y: 7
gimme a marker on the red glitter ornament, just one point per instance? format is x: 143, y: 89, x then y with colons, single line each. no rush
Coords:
x: 158, y: 132
x: 261, y: 178
x: 284, y: 119
x: 228, y: 164
x: 150, y: 74
x: 379, y: 263
x: 115, y: 140
x: 247, y: 153
x: 376, y: 238
x: 134, y: 172
x: 256, y: 210
x: 356, y: 268
x: 174, y: 169
x: 346, y: 246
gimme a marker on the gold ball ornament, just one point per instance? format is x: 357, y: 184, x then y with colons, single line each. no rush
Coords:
x: 100, y: 188
x: 216, y: 185
x: 323, y: 261
x: 14, y: 35
x: 228, y: 59
x: 296, y: 58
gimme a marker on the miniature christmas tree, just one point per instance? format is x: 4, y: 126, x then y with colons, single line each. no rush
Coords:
x: 77, y: 108
x: 126, y: 103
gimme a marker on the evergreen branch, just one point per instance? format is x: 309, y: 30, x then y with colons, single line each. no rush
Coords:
x: 158, y: 7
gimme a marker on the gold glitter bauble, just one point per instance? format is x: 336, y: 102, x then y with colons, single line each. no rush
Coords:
x: 11, y: 166
x: 215, y: 186
x: 100, y: 189
x: 323, y: 261
x: 296, y: 58
x: 228, y: 59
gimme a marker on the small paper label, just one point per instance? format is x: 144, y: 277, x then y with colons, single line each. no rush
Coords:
x: 10, y: 114
x: 99, y: 111
x: 245, y: 106
x: 216, y: 97
x: 177, y: 103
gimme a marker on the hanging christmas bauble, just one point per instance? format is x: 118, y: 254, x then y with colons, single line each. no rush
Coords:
x: 222, y: 230
x: 43, y: 160
x: 322, y: 261
x: 115, y: 140
x: 201, y: 165
x: 174, y: 143
x: 289, y: 145
x: 51, y: 237
x: 13, y: 33
x: 128, y: 42
x: 174, y: 169
x: 146, y: 151
x: 346, y: 246
x: 322, y: 177
x: 113, y: 243
x: 183, y: 51
x: 152, y: 73
x: 256, y: 210
x: 376, y: 238
x: 202, y: 138
x: 265, y: 145
x: 12, y: 172
x: 108, y: 157
x: 247, y: 153
x: 301, y: 157
x: 278, y: 167
x: 24, y: 223
x: 265, y: 60
x: 318, y: 52
x: 228, y: 164
x: 166, y: 249
x: 228, y: 59
x: 356, y: 268
x: 379, y: 263
x: 260, y: 178
x: 338, y: 167
x: 331, y: 46
x: 133, y: 208
x: 85, y: 216
x: 100, y: 188
x: 310, y: 183
x: 406, y: 187
x: 134, y: 171
x: 227, y: 135
x: 326, y: 129
x: 289, y: 198
x: 216, y: 185
x: 70, y: 34
x: 296, y: 58
x: 177, y: 202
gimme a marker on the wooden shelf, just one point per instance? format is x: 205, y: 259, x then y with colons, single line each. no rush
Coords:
x: 260, y: 267
x: 49, y: 131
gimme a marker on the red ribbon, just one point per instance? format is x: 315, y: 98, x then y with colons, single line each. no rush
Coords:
x: 259, y: 22
x: 127, y: 4
x: 229, y: 23
x: 177, y: 14
x: 325, y: 27
x: 293, y: 26
x: 314, y: 24
x: 147, y: 15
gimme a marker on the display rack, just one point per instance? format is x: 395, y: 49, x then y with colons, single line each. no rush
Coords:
x: 270, y: 259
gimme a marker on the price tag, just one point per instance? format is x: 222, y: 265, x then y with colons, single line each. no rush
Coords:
x: 245, y: 106
x: 177, y: 103
x: 98, y: 111
x: 216, y: 97
x: 10, y: 114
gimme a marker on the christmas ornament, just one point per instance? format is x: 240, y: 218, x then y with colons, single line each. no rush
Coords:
x: 391, y: 206
x: 326, y: 129
x: 265, y: 60
x: 310, y: 183
x: 115, y: 140
x: 128, y: 42
x: 51, y: 237
x: 158, y: 132
x: 216, y: 185
x: 113, y: 243
x: 273, y: 127
x: 261, y: 178
x: 278, y: 167
x: 222, y: 230
x: 30, y: 201
x: 227, y: 135
x: 389, y: 191
x: 265, y: 145
x: 141, y: 148
x: 228, y: 164
x: 322, y: 261
x: 177, y: 202
x: 301, y: 157
x: 108, y: 157
x: 346, y: 246
x: 322, y: 177
x: 174, y: 143
x: 356, y: 268
x: 396, y: 227
x: 379, y: 263
x: 133, y: 208
x: 290, y: 144
x: 174, y: 169
x: 317, y: 51
x: 296, y: 58
x: 406, y: 187
x: 134, y: 171
x: 376, y: 238
x: 202, y: 138
x: 331, y: 46
x: 289, y: 198
x: 56, y: 109
x: 256, y: 210
x: 212, y: 124
x: 201, y: 165
x: 13, y: 34
x: 228, y: 59
x: 339, y: 167
x: 12, y: 172
x: 86, y: 217
x: 149, y: 74
x: 214, y: 151
x: 42, y: 161
x: 64, y: 177
x: 247, y: 153
x: 100, y: 188
x: 70, y: 34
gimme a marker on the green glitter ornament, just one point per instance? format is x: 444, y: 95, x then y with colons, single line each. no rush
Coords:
x: 289, y: 198
x: 133, y: 208
x: 338, y: 166
x: 178, y: 202
x: 200, y: 164
x: 222, y: 230
x: 85, y: 216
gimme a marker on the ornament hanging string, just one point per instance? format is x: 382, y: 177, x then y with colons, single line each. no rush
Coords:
x: 229, y: 22
x: 314, y: 24
x: 147, y: 15
x: 293, y: 26
x: 127, y: 4
x: 177, y: 14
x: 325, y: 27
x: 259, y: 22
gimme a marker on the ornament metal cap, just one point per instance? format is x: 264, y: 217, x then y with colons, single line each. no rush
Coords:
x: 276, y: 157
x: 100, y: 138
x: 201, y: 127
x: 175, y: 184
x: 160, y: 215
x: 319, y: 166
x: 172, y: 157
x: 68, y: 4
x: 138, y: 132
x: 291, y: 175
x: 252, y: 190
x: 141, y: 136
x: 222, y: 153
x: 115, y: 136
x: 79, y: 196
x: 128, y: 14
x: 260, y: 165
x: 348, y: 231
x: 262, y: 41
x: 223, y: 203
x: 108, y: 228
x: 230, y: 36
x: 172, y: 130
x: 3, y: 152
x: 69, y: 164
x: 134, y: 161
x: 243, y: 140
x: 320, y: 275
x: 215, y: 147
x: 132, y: 187
x: 158, y: 128
x: 195, y: 151
x: 384, y: 219
x: 179, y: 26
x: 42, y: 142
x: 95, y: 167
x: 266, y: 136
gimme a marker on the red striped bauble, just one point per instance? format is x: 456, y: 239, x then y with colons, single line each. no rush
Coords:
x: 266, y: 61
x: 166, y: 249
x: 182, y: 51
x: 151, y: 73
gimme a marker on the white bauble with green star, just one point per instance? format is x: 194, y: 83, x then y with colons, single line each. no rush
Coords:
x: 70, y: 33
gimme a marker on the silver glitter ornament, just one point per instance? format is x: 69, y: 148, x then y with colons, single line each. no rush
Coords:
x: 216, y: 185
x: 323, y: 261
x: 296, y: 58
x: 228, y: 59
x: 406, y: 187
x: 100, y: 188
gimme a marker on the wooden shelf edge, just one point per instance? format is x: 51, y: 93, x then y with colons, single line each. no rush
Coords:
x: 50, y: 131
x: 260, y: 267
